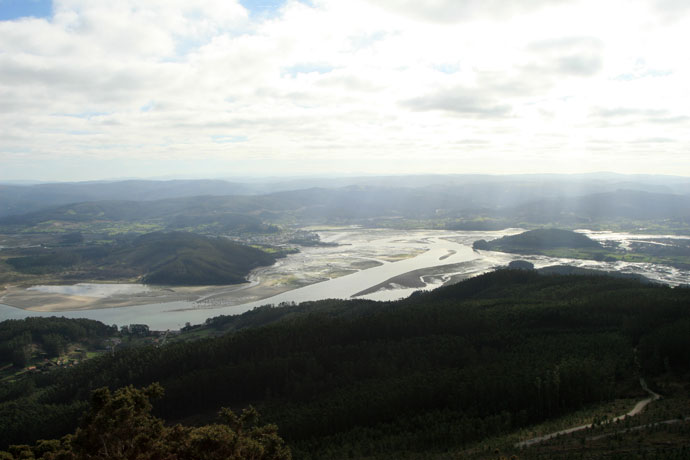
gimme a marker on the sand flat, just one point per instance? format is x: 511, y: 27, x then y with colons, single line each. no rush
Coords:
x: 34, y: 300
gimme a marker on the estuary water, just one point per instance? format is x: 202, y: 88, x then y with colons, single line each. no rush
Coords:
x: 366, y: 263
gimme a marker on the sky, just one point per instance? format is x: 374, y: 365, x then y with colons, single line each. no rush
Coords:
x: 102, y: 89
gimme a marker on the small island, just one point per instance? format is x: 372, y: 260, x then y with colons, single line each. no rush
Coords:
x: 543, y: 239
x: 553, y: 242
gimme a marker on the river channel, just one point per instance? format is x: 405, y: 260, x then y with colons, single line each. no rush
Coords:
x: 374, y: 264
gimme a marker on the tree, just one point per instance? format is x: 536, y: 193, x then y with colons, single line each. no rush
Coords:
x: 20, y: 356
x: 53, y: 344
x: 119, y: 425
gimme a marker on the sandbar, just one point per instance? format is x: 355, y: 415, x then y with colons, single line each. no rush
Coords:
x: 22, y: 298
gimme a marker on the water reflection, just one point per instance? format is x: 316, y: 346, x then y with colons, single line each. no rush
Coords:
x: 375, y: 259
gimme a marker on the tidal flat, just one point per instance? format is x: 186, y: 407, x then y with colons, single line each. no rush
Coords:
x: 376, y: 264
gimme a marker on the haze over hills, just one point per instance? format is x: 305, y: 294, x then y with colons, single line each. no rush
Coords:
x: 474, y: 191
x: 466, y: 361
x: 486, y: 205
x: 621, y: 203
x: 384, y: 224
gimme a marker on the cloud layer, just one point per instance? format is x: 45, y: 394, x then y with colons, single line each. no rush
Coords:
x: 106, y: 89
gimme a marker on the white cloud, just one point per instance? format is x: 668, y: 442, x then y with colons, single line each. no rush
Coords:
x: 346, y: 86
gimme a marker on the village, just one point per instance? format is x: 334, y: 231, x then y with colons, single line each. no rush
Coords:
x: 37, y: 360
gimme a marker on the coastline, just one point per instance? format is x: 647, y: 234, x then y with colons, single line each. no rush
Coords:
x: 20, y: 297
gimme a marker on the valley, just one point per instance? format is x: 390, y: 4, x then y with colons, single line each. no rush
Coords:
x: 364, y: 321
x: 324, y: 230
x: 471, y: 368
x: 376, y: 264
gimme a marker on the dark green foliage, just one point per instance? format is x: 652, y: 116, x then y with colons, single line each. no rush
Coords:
x: 72, y: 238
x: 175, y: 258
x: 170, y: 214
x: 520, y: 265
x: 667, y: 348
x: 120, y: 426
x: 183, y: 258
x: 20, y: 356
x: 55, y: 261
x: 52, y: 333
x: 37, y: 327
x: 437, y: 370
x: 539, y: 239
x: 566, y: 244
x: 53, y: 344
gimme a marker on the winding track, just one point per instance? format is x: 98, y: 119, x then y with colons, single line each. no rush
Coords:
x: 639, y: 407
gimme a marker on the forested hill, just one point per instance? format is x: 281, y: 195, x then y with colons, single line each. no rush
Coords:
x: 555, y: 195
x: 540, y: 239
x: 459, y: 207
x: 187, y: 259
x: 49, y: 337
x: 21, y: 199
x: 211, y: 213
x: 175, y: 258
x: 429, y: 374
x: 612, y: 205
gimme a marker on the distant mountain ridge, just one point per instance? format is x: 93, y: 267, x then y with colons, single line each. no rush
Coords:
x: 467, y: 191
x: 174, y: 213
x: 358, y: 204
x: 628, y: 204
x: 16, y: 199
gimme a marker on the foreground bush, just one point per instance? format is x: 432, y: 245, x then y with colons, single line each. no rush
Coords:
x: 120, y: 426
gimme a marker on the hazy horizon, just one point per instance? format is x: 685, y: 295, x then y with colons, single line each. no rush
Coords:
x: 96, y: 90
x: 596, y: 175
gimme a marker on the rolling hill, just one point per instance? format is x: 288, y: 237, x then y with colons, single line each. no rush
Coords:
x: 461, y: 208
x: 175, y: 258
x: 444, y: 373
x: 534, y: 241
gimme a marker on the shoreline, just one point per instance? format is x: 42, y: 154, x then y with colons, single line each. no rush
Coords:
x: 227, y: 295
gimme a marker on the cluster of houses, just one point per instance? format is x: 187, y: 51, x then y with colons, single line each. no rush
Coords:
x: 110, y: 345
x: 72, y: 359
x: 77, y: 355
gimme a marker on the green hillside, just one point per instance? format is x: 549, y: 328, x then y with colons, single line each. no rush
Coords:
x: 472, y: 206
x: 119, y: 425
x: 568, y: 244
x: 425, y: 377
x: 208, y: 214
x: 175, y: 258
x: 538, y: 240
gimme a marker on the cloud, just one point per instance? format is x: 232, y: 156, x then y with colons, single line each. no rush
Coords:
x: 461, y: 101
x: 626, y: 112
x: 342, y: 85
x: 671, y: 11
x: 639, y: 116
x: 654, y: 140
x: 678, y: 119
x: 579, y: 65
x: 569, y: 56
x: 451, y: 11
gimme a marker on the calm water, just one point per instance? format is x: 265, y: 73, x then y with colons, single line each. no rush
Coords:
x: 440, y: 248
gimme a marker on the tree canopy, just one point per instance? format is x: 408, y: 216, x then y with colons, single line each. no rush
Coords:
x: 119, y: 425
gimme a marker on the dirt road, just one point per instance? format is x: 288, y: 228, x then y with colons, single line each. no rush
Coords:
x: 639, y: 407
